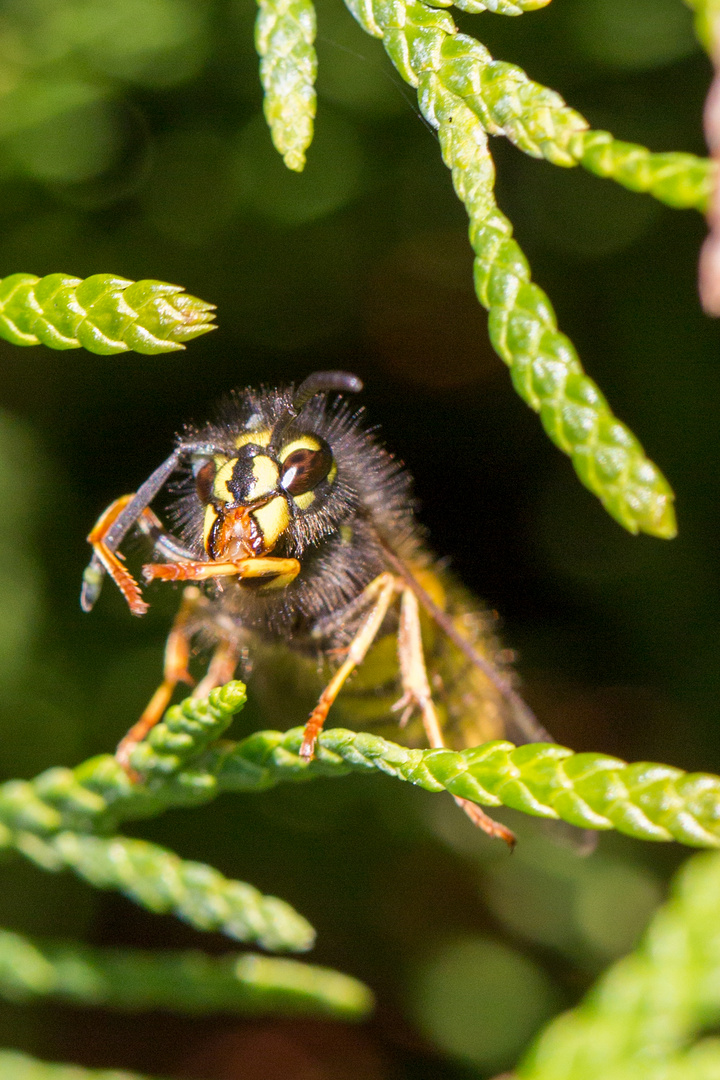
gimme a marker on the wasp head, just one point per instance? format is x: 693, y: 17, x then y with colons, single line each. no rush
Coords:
x: 252, y: 498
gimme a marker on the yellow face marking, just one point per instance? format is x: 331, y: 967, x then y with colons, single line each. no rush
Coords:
x: 305, y: 442
x: 224, y: 473
x: 265, y: 478
x: 303, y: 501
x: 211, y: 517
x: 260, y: 438
x: 266, y: 475
x: 272, y: 520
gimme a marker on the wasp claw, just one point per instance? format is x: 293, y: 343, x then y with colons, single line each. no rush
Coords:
x: 307, y: 750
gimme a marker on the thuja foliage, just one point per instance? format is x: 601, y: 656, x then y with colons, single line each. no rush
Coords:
x: 641, y: 1018
x: 190, y: 982
x: 179, y: 766
x: 104, y: 314
x: 65, y: 818
x: 467, y: 95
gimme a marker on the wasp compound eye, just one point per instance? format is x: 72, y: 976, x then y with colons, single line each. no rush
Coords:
x: 303, y: 469
x: 204, y: 477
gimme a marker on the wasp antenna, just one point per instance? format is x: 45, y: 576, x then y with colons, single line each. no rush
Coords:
x: 320, y: 382
x: 324, y: 382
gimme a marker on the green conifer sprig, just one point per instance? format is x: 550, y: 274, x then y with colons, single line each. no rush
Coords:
x: 639, y: 1020
x: 498, y: 7
x: 17, y: 1066
x: 162, y: 882
x: 706, y: 12
x: 103, y: 313
x: 682, y: 181
x: 464, y: 93
x: 184, y: 982
x: 186, y: 730
x: 594, y: 791
x: 284, y: 36
x: 423, y: 41
x: 544, y: 366
x: 455, y: 75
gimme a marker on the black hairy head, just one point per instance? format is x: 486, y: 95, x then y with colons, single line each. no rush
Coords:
x: 321, y: 490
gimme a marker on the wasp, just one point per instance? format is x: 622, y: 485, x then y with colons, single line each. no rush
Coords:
x: 298, y: 528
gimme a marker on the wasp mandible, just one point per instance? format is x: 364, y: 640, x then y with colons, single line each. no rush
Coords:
x: 301, y: 527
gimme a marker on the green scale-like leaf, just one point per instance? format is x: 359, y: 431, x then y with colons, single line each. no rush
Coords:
x: 186, y: 982
x: 49, y: 823
x: 103, y: 313
x: 498, y: 7
x: 17, y: 1066
x: 594, y: 791
x: 422, y: 40
x: 464, y: 93
x: 284, y: 36
x: 638, y: 1021
x: 544, y: 366
x: 164, y: 883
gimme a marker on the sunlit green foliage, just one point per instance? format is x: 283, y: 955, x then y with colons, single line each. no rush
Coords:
x: 642, y: 1018
x: 465, y: 94
x: 103, y: 314
x: 593, y: 791
x: 648, y: 801
x: 16, y: 1066
x: 284, y: 36
x: 132, y: 139
x: 188, y: 982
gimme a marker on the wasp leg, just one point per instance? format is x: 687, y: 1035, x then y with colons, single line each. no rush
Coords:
x: 106, y: 559
x: 270, y: 567
x: 416, y: 693
x: 177, y: 655
x: 220, y: 669
x: 381, y: 590
x: 164, y: 543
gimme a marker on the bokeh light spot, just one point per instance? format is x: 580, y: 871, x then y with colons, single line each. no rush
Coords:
x: 633, y: 34
x: 331, y: 179
x: 480, y: 1001
x: 74, y: 146
x: 613, y: 905
x: 192, y: 190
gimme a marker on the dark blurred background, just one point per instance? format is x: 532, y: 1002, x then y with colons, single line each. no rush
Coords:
x: 132, y: 142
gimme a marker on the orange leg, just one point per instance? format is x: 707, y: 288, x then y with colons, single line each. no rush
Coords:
x: 243, y: 568
x: 416, y: 693
x: 220, y: 669
x: 381, y: 591
x: 177, y: 656
x: 111, y: 560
